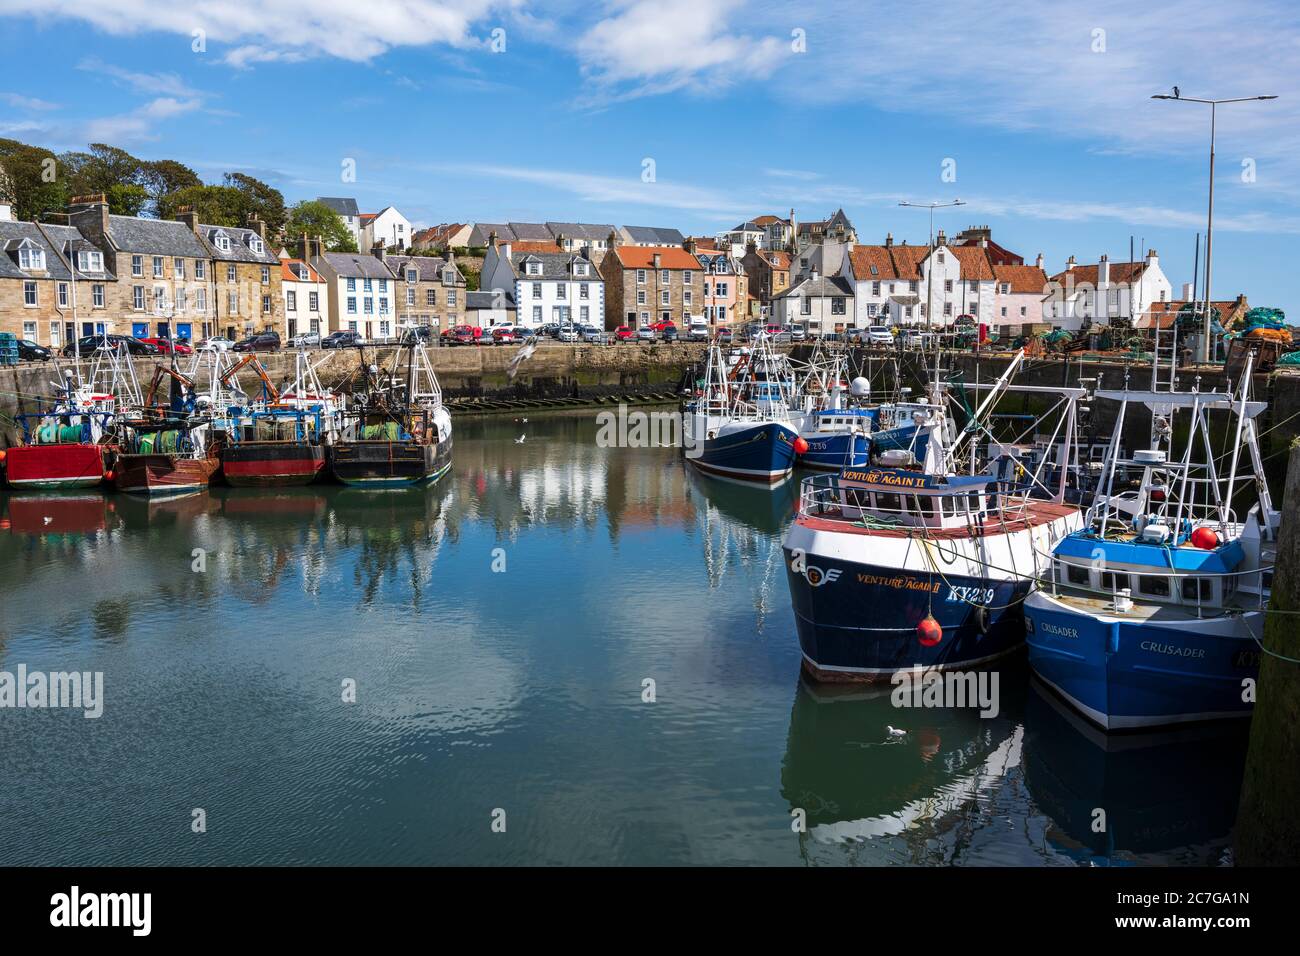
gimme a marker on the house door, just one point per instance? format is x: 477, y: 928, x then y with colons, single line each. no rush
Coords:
x: 69, y: 331
x: 164, y: 330
x: 87, y: 328
x: 293, y: 327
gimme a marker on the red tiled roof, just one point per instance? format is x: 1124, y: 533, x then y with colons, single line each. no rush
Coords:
x: 525, y: 245
x: 864, y: 258
x: 1022, y: 279
x: 1164, y: 314
x: 1120, y: 273
x: 642, y: 257
x: 289, y: 275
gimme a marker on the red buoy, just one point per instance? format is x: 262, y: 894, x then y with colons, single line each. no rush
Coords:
x: 1207, y: 539
x: 800, y: 445
x: 928, y: 632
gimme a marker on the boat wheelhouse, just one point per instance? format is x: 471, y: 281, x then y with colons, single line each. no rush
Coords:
x: 1152, y: 613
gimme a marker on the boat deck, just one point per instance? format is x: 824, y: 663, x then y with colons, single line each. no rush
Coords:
x: 1034, y: 514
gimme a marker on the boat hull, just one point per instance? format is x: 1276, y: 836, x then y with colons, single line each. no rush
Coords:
x: 1129, y: 674
x: 382, y: 464
x: 761, y: 452
x: 260, y: 464
x: 163, y: 474
x: 835, y: 452
x: 51, y: 467
x: 858, y: 621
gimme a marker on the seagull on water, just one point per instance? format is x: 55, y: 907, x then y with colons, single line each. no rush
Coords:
x: 895, y: 732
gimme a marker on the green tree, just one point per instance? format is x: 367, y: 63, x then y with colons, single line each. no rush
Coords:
x: 261, y: 200
x: 318, y: 220
x: 34, y: 179
x: 126, y: 199
x: 164, y: 176
x: 215, y: 205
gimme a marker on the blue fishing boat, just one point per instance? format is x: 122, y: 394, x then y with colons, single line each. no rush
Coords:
x: 1151, y: 614
x: 741, y: 425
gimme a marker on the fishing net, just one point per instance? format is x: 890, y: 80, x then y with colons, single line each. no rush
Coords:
x: 1263, y: 318
x: 164, y: 442
x: 384, y: 431
x: 55, y: 434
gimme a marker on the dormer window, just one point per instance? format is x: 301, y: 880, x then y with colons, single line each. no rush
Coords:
x: 580, y: 269
x: 222, y: 242
x: 31, y: 257
x: 302, y: 272
x: 255, y: 243
x: 534, y: 268
x: 90, y: 261
x: 412, y: 276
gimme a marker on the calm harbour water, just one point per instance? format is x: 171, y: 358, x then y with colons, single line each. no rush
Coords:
x: 520, y: 690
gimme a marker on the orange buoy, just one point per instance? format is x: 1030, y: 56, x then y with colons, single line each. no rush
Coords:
x: 3, y: 453
x: 800, y: 445
x: 1207, y: 539
x: 929, y: 632
x: 108, y: 475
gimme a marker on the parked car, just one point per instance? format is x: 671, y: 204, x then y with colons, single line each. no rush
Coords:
x: 306, y: 340
x: 523, y: 332
x: 663, y: 324
x: 725, y: 336
x: 343, y: 339
x: 568, y: 334
x: 88, y: 343
x: 795, y: 331
x: 168, y: 347
x: 914, y: 339
x: 218, y: 343
x: 625, y: 333
x: 879, y: 335
x: 461, y: 335
x: 669, y: 333
x: 551, y: 329
x: 698, y: 332
x: 503, y: 335
x: 261, y: 342
x: 592, y: 333
x: 645, y: 334
x: 29, y: 351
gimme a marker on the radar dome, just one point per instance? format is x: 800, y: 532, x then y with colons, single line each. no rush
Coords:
x: 860, y: 387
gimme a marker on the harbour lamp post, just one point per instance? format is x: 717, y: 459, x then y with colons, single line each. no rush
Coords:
x: 1209, y: 227
x: 929, y: 272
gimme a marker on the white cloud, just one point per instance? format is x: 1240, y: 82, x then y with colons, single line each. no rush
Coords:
x: 153, y: 84
x: 30, y: 103
x: 657, y: 46
x: 139, y: 124
x: 265, y: 30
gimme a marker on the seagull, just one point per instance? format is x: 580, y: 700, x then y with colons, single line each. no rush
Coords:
x: 895, y: 732
x: 48, y: 519
x: 520, y: 439
x: 525, y: 351
x: 1176, y: 93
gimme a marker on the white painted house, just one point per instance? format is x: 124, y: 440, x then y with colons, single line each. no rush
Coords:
x: 547, y: 286
x: 821, y: 304
x: 1099, y: 294
x: 306, y: 298
x: 388, y: 227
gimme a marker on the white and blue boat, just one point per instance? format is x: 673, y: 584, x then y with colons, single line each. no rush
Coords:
x: 919, y: 563
x: 1151, y: 614
x: 838, y: 419
x: 741, y: 426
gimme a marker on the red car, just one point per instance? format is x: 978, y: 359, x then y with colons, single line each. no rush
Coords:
x: 503, y: 336
x: 625, y: 333
x: 169, y: 347
x: 660, y: 326
x: 462, y: 335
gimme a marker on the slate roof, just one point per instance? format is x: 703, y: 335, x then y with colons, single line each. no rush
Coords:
x: 70, y: 241
x: 482, y: 231
x: 240, y: 250
x: 430, y: 268
x: 581, y: 230
x: 155, y: 237
x: 555, y: 265
x: 483, y: 300
x: 342, y: 206
x: 354, y: 265
x: 531, y: 231
x: 709, y: 262
x: 654, y: 235
x: 11, y: 236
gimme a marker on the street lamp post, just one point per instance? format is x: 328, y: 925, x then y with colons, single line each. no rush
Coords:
x: 929, y: 272
x: 1209, y: 226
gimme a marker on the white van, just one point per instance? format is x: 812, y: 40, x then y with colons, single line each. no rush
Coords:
x: 697, y: 331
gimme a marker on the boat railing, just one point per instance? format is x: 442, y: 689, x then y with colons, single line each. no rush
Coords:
x: 961, y: 507
x: 1209, y: 591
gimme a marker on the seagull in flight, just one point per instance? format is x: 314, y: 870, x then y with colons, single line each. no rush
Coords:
x: 520, y: 439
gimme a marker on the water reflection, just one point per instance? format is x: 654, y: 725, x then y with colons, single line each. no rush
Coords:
x: 476, y: 687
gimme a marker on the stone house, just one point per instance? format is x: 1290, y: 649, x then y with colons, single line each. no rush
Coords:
x: 430, y: 291
x: 247, y: 282
x: 649, y: 284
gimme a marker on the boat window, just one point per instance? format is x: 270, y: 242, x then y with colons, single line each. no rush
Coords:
x: 1114, y: 582
x: 975, y: 503
x: 888, y: 502
x: 1190, y: 588
x: 1077, y: 574
x: 1155, y: 586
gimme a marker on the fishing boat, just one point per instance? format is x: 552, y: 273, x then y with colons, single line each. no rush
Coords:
x: 919, y: 563
x: 167, y: 449
x: 1151, y: 614
x: 283, y: 437
x: 397, y: 431
x: 740, y: 424
x: 70, y: 441
x: 838, y: 420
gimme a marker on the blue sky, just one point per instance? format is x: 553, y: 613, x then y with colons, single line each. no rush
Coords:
x: 744, y: 107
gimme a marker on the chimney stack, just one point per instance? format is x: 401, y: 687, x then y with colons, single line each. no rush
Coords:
x: 612, y: 241
x: 258, y: 226
x: 1039, y: 261
x: 378, y: 251
x: 889, y: 240
x: 187, y: 215
x: 657, y: 260
x: 90, y: 215
x: 942, y: 239
x: 1069, y: 263
x: 1188, y: 292
x: 1103, y: 271
x: 690, y: 245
